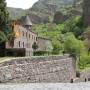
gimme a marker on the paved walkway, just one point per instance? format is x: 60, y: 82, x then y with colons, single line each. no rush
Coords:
x: 79, y: 86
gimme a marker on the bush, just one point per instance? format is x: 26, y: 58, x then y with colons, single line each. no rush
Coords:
x: 72, y: 45
x: 55, y: 50
x: 35, y: 46
x: 84, y: 60
x: 40, y: 53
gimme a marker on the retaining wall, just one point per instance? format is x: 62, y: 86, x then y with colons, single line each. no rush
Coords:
x: 50, y: 69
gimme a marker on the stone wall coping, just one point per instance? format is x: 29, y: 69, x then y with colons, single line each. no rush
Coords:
x: 21, y: 60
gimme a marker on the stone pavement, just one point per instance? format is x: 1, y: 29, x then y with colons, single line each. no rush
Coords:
x: 63, y: 86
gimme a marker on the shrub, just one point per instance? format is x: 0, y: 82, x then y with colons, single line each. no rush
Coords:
x: 72, y: 45
x: 40, y: 53
x: 35, y: 46
x: 84, y: 60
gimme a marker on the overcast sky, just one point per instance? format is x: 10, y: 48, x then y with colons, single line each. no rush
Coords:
x: 25, y: 4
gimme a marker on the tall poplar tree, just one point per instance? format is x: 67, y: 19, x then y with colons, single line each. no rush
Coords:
x: 4, y: 22
x: 5, y: 30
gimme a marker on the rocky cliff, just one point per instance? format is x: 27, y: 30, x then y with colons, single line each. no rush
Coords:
x: 44, y: 10
x: 86, y: 12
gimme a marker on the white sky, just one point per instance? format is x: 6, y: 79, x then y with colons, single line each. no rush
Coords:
x: 25, y: 4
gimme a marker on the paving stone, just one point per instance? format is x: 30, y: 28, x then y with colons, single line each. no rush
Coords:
x: 56, y: 86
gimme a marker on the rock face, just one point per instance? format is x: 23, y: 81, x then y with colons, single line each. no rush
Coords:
x: 49, y: 7
x: 15, y: 13
x: 59, y: 17
x: 37, y: 70
x: 43, y: 10
x: 86, y: 13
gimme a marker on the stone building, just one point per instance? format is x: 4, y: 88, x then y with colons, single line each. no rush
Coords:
x: 86, y: 12
x: 44, y: 44
x: 24, y: 38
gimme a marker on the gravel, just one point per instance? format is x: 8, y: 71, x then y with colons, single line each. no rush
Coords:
x: 56, y: 86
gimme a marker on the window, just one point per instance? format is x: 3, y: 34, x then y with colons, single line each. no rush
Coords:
x: 23, y: 33
x: 36, y: 38
x: 19, y: 43
x: 29, y: 35
x: 26, y: 34
x: 23, y: 44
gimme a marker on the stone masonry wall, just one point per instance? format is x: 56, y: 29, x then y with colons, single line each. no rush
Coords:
x: 84, y: 75
x: 49, y: 69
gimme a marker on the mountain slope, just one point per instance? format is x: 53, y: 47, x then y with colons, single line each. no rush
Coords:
x: 51, y: 6
x: 15, y: 13
x: 45, y: 10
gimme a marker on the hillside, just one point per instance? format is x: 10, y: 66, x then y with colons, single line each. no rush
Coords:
x: 44, y: 10
x: 47, y: 8
x: 51, y: 6
x: 15, y: 13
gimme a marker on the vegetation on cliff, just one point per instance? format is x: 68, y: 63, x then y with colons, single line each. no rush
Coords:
x: 66, y: 38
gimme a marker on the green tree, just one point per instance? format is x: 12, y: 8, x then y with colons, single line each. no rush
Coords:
x: 72, y: 45
x: 35, y: 46
x: 5, y: 30
x: 4, y: 18
x: 74, y: 25
x: 57, y: 47
x: 84, y: 60
x: 2, y: 37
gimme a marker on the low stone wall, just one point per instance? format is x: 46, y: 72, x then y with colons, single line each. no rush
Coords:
x: 84, y: 76
x: 37, y: 70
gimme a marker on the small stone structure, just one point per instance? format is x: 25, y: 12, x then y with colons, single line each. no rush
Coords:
x: 84, y: 76
x: 51, y: 69
x: 44, y: 44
